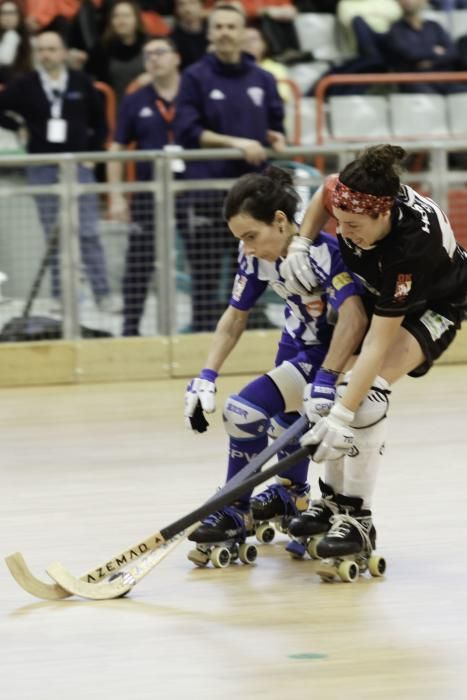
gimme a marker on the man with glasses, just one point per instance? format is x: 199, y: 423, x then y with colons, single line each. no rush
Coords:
x: 146, y: 119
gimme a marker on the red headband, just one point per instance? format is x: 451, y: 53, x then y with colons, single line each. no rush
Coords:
x: 359, y: 202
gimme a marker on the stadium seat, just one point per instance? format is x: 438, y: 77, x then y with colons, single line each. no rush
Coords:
x: 318, y: 33
x: 307, y: 74
x: 458, y: 24
x: 308, y: 121
x: 440, y: 16
x: 457, y: 114
x: 418, y: 116
x: 359, y: 117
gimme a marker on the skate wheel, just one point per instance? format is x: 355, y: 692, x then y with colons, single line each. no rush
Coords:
x: 220, y: 557
x: 296, y: 549
x: 311, y: 547
x: 199, y: 558
x: 348, y: 571
x: 247, y: 553
x: 377, y: 565
x: 265, y: 533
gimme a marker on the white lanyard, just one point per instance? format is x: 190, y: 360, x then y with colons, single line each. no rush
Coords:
x: 54, y: 91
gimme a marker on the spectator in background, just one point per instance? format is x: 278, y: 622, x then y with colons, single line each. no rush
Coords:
x: 15, y: 42
x: 63, y: 113
x: 419, y: 45
x: 85, y: 31
x: 190, y: 31
x: 225, y: 101
x: 146, y: 118
x: 118, y: 59
x: 256, y: 44
x: 379, y: 15
x: 51, y: 15
x: 276, y: 18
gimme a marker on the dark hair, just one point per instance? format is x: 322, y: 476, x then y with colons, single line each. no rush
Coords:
x: 162, y: 37
x: 261, y: 195
x: 22, y: 62
x: 376, y: 171
x: 109, y: 34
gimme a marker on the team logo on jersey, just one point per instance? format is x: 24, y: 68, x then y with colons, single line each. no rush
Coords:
x: 339, y: 281
x: 216, y: 94
x: 403, y: 287
x: 257, y: 95
x: 146, y: 112
x: 238, y: 287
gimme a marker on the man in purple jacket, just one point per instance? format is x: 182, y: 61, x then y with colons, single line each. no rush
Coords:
x: 225, y: 101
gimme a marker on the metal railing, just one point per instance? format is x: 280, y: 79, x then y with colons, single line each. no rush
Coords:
x: 165, y: 189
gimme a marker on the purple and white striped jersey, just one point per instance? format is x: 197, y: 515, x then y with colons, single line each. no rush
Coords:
x: 308, y: 319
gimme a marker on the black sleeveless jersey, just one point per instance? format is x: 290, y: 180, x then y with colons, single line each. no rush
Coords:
x: 417, y: 263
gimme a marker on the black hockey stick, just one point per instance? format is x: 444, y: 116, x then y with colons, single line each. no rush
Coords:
x: 51, y: 591
x: 170, y: 536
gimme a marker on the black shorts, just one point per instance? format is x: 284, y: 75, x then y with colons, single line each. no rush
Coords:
x: 434, y: 329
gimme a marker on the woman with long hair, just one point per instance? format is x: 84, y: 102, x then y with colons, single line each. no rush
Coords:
x: 118, y: 58
x: 15, y: 42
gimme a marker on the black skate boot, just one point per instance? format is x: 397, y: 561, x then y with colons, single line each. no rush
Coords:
x: 347, y: 548
x: 306, y: 529
x: 278, y: 503
x: 221, y: 537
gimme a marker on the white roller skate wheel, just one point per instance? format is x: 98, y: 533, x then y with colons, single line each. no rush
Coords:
x: 377, y: 565
x: 247, y: 553
x: 311, y: 547
x: 265, y: 533
x: 220, y: 557
x: 198, y: 558
x: 348, y: 571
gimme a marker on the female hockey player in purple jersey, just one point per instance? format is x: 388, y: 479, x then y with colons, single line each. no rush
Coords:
x: 401, y: 246
x: 314, y: 347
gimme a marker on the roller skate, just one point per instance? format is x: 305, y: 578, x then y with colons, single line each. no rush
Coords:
x: 221, y: 539
x: 276, y: 505
x: 309, y: 527
x: 347, y: 549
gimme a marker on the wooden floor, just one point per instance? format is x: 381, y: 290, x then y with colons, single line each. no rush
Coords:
x: 88, y: 470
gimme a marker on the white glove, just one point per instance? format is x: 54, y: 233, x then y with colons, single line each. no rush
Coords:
x: 200, y: 397
x: 318, y: 398
x: 332, y: 435
x: 296, y: 269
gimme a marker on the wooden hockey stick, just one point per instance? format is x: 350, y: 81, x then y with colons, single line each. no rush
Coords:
x: 169, y: 537
x: 52, y: 591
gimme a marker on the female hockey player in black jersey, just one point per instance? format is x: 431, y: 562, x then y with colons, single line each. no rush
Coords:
x: 402, y: 247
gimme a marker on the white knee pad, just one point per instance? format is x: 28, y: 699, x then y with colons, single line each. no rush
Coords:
x: 243, y: 420
x: 374, y: 406
x: 291, y: 384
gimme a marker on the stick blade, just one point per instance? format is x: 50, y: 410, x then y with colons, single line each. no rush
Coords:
x: 93, y: 591
x: 26, y: 579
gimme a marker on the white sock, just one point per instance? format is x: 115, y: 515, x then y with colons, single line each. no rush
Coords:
x: 334, y: 474
x: 362, y: 465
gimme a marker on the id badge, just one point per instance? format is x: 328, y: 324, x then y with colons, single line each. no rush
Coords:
x: 177, y: 164
x: 56, y: 130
